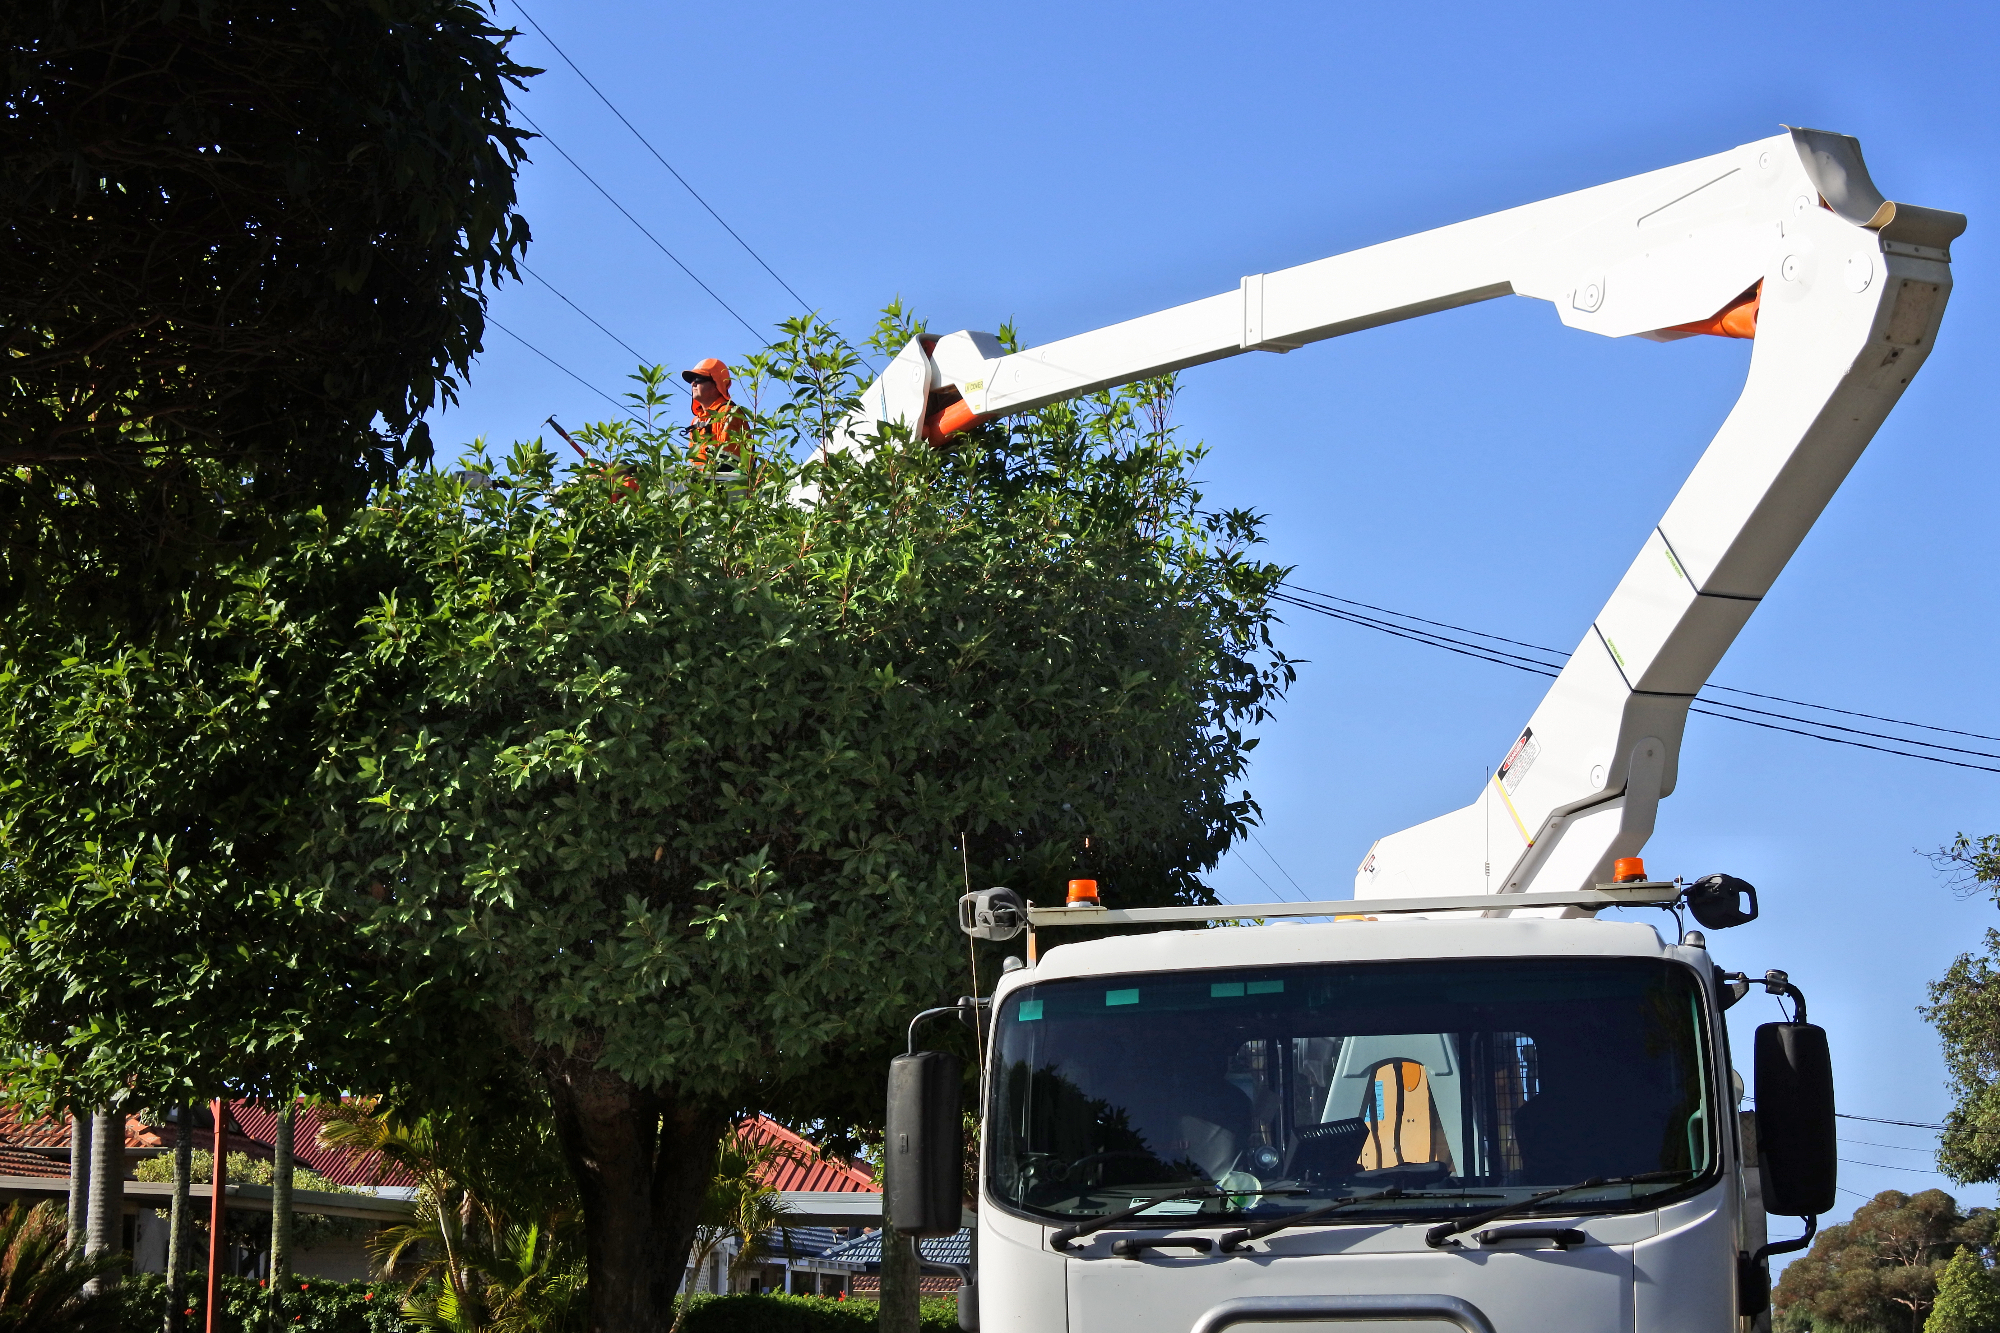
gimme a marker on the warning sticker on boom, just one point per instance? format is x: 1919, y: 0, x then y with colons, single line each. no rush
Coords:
x: 1519, y: 760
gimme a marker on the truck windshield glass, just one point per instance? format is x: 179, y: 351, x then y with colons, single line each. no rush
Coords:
x: 1464, y: 1083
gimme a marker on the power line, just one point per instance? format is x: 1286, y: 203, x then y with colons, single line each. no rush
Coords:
x: 641, y: 357
x: 1828, y: 708
x: 609, y: 198
x: 1294, y: 595
x: 1304, y: 897
x: 1884, y: 1166
x: 656, y: 154
x: 1245, y: 861
x: 1897, y: 1147
x: 1837, y: 740
x: 560, y: 366
x: 1878, y: 1120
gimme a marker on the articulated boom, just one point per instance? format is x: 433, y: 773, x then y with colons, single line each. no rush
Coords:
x: 1785, y: 240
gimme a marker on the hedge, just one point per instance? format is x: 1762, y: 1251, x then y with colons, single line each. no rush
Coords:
x: 376, y: 1307
x: 308, y: 1305
x: 804, y: 1314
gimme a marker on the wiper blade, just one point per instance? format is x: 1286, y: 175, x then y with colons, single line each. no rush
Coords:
x: 1231, y: 1241
x: 1444, y: 1231
x: 1060, y: 1238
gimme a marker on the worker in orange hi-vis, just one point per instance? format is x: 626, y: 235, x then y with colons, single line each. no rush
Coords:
x: 716, y: 418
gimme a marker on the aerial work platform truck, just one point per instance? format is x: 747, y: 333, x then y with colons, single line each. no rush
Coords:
x: 1464, y: 1097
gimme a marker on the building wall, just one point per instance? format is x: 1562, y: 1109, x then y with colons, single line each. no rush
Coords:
x: 344, y: 1259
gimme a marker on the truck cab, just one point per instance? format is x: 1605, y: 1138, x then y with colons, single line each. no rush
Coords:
x: 1445, y: 1067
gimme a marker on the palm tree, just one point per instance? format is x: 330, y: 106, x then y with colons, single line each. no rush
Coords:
x: 42, y: 1275
x: 739, y: 1204
x: 473, y: 1268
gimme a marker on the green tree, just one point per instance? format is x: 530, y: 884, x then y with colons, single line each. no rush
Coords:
x: 1968, y: 1299
x: 656, y: 780
x: 739, y: 1205
x: 1880, y: 1269
x: 245, y: 246
x: 1965, y: 1009
x: 492, y: 1246
x: 253, y: 1230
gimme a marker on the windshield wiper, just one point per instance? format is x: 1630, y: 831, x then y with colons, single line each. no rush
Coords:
x: 1060, y: 1238
x: 1231, y: 1241
x: 1444, y: 1231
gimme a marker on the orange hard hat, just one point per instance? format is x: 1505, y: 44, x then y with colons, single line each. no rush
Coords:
x: 712, y: 369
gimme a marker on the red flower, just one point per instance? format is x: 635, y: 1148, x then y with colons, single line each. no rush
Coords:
x: 302, y: 1286
x: 260, y: 1282
x: 368, y: 1296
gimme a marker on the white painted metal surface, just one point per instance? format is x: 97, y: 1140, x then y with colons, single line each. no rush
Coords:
x: 1671, y: 1269
x: 1852, y: 288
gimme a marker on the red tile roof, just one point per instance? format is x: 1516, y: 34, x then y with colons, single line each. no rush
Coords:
x: 14, y: 1162
x: 801, y: 1167
x: 19, y: 1135
x: 338, y: 1165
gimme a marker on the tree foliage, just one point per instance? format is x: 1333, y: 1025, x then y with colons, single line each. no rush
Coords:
x: 659, y: 778
x: 42, y: 1276
x: 1968, y: 1298
x: 677, y: 778
x: 244, y: 244
x: 1965, y: 1009
x: 1880, y: 1269
x: 154, y: 943
x: 739, y: 1205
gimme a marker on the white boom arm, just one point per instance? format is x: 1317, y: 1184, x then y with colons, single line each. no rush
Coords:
x: 1848, y: 288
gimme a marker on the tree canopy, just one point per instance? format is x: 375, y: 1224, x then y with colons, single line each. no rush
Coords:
x: 657, y: 776
x: 1880, y: 1269
x: 243, y: 252
x: 1965, y: 1009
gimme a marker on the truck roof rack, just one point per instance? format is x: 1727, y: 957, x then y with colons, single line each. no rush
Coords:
x: 1663, y: 893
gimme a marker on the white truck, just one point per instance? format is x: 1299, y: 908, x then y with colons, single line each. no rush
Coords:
x: 1459, y: 1097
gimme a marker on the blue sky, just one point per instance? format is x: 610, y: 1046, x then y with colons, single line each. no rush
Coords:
x: 1066, y: 166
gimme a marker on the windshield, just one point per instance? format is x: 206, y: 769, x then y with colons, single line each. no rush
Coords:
x: 1466, y: 1084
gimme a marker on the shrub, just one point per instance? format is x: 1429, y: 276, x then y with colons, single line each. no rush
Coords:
x: 803, y: 1314
x: 307, y: 1305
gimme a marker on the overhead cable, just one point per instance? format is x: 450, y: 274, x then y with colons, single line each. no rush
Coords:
x: 1303, y: 897
x: 656, y: 154
x: 563, y: 368
x: 1878, y: 1120
x: 641, y: 357
x: 1549, y: 663
x: 1253, y: 870
x: 1884, y: 1166
x: 659, y: 244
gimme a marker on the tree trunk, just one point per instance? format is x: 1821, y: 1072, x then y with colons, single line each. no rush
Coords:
x: 281, y: 1209
x: 79, y: 1178
x: 902, y: 1298
x: 104, y: 1229
x: 179, y: 1221
x: 642, y: 1159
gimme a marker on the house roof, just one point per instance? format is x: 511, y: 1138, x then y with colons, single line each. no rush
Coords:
x: 338, y: 1165
x: 39, y: 1146
x: 801, y: 1166
x: 864, y: 1252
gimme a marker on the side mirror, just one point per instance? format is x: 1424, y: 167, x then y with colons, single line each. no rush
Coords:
x: 992, y: 914
x: 1718, y: 901
x: 924, y: 1151
x: 1795, y: 1128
